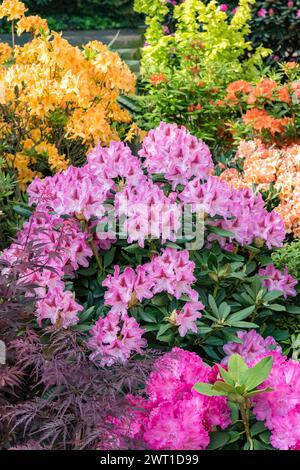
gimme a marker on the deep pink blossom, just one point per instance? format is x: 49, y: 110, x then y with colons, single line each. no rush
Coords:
x: 174, y: 416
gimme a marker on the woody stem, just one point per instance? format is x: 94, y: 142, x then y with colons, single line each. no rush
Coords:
x: 13, y: 33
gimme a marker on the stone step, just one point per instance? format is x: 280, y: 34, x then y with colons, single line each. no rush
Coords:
x: 134, y: 65
x: 128, y: 54
x: 122, y: 38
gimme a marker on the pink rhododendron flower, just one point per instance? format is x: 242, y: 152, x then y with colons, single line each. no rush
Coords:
x: 186, y: 319
x: 115, y: 338
x: 276, y: 280
x: 251, y: 346
x: 279, y: 408
x: 120, y: 289
x: 59, y: 307
x: 170, y: 272
x: 173, y: 272
x: 174, y: 152
x: 262, y: 12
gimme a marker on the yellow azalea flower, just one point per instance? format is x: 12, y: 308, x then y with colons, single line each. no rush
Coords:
x: 32, y: 24
x: 59, y: 93
x: 5, y: 52
x: 12, y: 9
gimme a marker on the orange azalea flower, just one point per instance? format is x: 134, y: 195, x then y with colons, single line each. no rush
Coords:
x: 5, y: 52
x: 263, y: 165
x: 158, y: 78
x: 263, y: 89
x: 239, y: 86
x: 291, y: 65
x: 284, y: 94
x: 261, y: 120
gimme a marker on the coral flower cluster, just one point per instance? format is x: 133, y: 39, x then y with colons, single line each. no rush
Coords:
x: 259, y: 104
x: 281, y: 167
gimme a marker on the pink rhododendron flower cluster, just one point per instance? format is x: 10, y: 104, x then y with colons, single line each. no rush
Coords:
x: 280, y: 408
x: 251, y: 346
x: 114, y: 339
x: 173, y: 416
x: 58, y: 306
x: 243, y: 211
x: 174, y: 152
x: 276, y: 280
x: 64, y: 250
x: 170, y: 272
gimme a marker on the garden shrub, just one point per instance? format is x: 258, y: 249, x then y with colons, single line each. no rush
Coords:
x: 192, y: 70
x: 94, y: 14
x: 58, y: 100
x: 274, y: 24
x: 100, y: 298
x: 187, y: 69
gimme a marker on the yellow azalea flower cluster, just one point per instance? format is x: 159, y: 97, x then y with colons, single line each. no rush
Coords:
x: 12, y: 9
x: 67, y: 94
x: 279, y: 166
x: 32, y: 24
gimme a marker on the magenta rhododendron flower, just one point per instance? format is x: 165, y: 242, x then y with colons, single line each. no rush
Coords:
x: 224, y: 7
x: 174, y: 416
x: 276, y: 280
x: 279, y: 408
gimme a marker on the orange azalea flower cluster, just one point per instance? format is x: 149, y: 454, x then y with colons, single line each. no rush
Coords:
x: 279, y: 166
x: 259, y: 103
x: 54, y: 95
